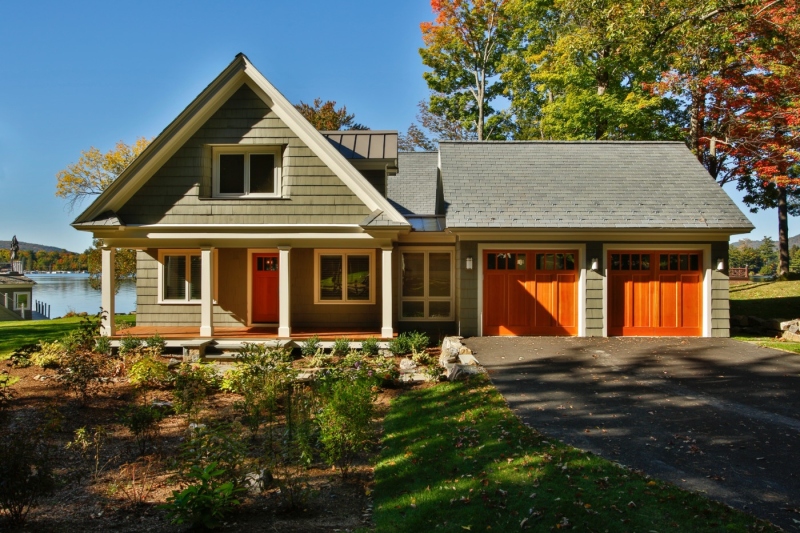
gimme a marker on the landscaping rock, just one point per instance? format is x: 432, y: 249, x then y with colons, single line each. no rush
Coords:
x: 162, y: 403
x: 793, y: 329
x: 256, y: 482
x: 464, y: 351
x: 789, y: 336
x: 450, y: 349
x: 788, y: 324
x: 173, y: 363
x: 458, y: 372
x: 407, y: 366
x: 468, y: 359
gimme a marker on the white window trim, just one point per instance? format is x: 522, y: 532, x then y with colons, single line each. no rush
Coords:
x: 344, y: 253
x: 188, y: 254
x: 427, y: 299
x: 16, y: 300
x: 246, y: 150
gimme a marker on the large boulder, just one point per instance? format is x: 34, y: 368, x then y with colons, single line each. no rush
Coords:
x: 459, y: 372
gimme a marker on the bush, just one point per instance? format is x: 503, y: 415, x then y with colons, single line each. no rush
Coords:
x: 129, y: 344
x: 149, y: 372
x: 26, y: 472
x: 262, y: 375
x: 400, y: 345
x: 385, y: 370
x: 192, y: 385
x: 6, y: 394
x: 370, y: 346
x: 156, y: 343
x: 88, y: 330
x: 220, y: 445
x: 142, y: 421
x: 89, y: 445
x: 345, y: 421
x: 418, y: 341
x: 204, y: 503
x: 49, y: 354
x: 352, y: 360
x: 311, y: 346
x: 102, y: 345
x: 341, y: 346
x: 82, y: 372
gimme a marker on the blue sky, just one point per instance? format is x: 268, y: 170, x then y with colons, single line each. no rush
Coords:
x: 80, y: 74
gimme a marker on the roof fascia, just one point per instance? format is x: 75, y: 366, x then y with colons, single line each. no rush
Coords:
x: 168, y: 141
x: 320, y: 145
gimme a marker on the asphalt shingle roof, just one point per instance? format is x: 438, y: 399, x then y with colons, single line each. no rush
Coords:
x: 413, y: 190
x: 591, y: 185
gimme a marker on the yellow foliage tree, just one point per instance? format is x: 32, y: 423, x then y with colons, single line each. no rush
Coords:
x: 95, y: 171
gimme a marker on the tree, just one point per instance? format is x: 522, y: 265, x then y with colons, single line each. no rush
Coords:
x: 90, y: 176
x: 95, y: 171
x: 464, y: 47
x: 415, y: 138
x: 439, y: 127
x: 324, y: 116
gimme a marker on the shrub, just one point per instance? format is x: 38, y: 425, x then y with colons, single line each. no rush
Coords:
x: 82, y: 372
x: 192, y: 385
x: 88, y: 330
x: 49, y: 354
x: 6, y: 393
x: 417, y: 341
x: 345, y: 421
x: 204, y: 503
x: 221, y: 445
x: 400, y: 345
x: 129, y: 344
x: 89, y: 443
x: 320, y: 360
x: 149, y: 372
x: 385, y: 370
x: 352, y: 360
x: 102, y: 345
x: 136, y: 482
x: 156, y: 343
x: 370, y: 346
x: 310, y: 346
x: 262, y: 376
x: 423, y: 358
x: 26, y: 472
x: 341, y: 346
x: 142, y: 421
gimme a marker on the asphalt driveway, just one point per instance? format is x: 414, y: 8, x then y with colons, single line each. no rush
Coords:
x: 712, y: 415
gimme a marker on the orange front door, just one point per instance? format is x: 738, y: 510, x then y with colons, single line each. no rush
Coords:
x: 530, y: 292
x: 265, y: 288
x: 655, y: 293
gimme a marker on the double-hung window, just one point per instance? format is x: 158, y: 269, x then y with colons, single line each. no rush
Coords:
x: 180, y: 277
x: 344, y: 276
x: 427, y: 286
x: 246, y: 171
x: 22, y: 300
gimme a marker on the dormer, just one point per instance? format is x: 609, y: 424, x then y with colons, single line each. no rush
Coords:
x: 371, y: 152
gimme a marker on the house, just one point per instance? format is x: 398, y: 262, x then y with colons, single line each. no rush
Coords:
x: 250, y: 223
x: 16, y: 295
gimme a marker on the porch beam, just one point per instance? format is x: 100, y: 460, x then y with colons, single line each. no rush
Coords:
x: 387, y: 332
x: 207, y: 292
x: 284, y: 307
x: 108, y: 288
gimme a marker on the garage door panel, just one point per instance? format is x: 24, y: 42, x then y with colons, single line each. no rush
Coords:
x: 669, y: 301
x: 567, y: 308
x: 692, y: 300
x: 495, y: 300
x: 518, y: 298
x: 543, y: 315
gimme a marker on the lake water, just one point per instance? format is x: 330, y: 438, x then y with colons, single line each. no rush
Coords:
x: 71, y: 292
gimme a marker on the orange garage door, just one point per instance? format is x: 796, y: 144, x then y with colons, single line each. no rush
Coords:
x: 530, y: 292
x: 655, y: 293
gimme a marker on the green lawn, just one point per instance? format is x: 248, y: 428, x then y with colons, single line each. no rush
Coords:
x: 22, y: 332
x: 455, y: 458
x: 770, y: 299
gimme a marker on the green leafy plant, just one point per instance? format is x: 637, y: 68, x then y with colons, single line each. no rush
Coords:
x: 370, y: 346
x: 422, y: 358
x: 341, y: 346
x: 310, y: 346
x: 129, y: 344
x: 156, y: 342
x: 82, y: 372
x: 352, y: 360
x: 193, y: 384
x: 418, y: 341
x: 89, y: 444
x: 26, y: 471
x: 220, y: 444
x: 142, y: 421
x: 102, y: 345
x: 6, y: 393
x: 88, y: 330
x: 385, y: 370
x: 345, y: 421
x: 320, y: 360
x: 49, y: 354
x: 205, y: 502
x: 148, y: 372
x: 400, y: 345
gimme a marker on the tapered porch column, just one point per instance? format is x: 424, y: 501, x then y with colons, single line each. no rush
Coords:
x: 386, y: 294
x: 207, y: 292
x: 284, y: 307
x: 108, y: 288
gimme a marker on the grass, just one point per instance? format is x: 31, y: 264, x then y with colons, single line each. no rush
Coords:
x: 19, y: 333
x: 770, y: 299
x: 455, y: 458
x: 772, y: 342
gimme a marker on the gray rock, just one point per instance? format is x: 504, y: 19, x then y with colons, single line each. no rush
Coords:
x: 457, y: 372
x: 162, y: 403
x: 173, y: 363
x: 793, y: 329
x: 407, y: 366
x: 464, y: 351
x: 256, y: 482
x: 788, y: 324
x: 467, y: 359
x: 794, y: 337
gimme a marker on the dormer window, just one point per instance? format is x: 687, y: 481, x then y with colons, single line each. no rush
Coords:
x: 247, y: 171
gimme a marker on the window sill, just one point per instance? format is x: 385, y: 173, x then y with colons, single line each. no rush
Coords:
x: 421, y: 319
x: 180, y: 302
x: 340, y: 302
x: 240, y: 198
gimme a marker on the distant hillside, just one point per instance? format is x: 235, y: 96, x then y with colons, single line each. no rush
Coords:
x: 793, y: 241
x: 6, y: 245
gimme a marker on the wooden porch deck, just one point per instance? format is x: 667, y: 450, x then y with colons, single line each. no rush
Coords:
x: 250, y: 334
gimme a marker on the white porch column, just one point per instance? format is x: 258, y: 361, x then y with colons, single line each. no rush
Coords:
x: 207, y: 292
x: 108, y: 288
x: 284, y: 303
x: 387, y: 332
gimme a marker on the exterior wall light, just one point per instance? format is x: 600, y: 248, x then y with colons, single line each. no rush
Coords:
x: 595, y: 264
x: 720, y: 264
x: 469, y: 263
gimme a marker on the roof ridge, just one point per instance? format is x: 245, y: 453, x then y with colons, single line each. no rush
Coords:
x: 545, y: 141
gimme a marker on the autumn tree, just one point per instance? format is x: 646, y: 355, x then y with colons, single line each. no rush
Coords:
x: 95, y: 171
x: 325, y: 116
x: 464, y: 47
x: 90, y: 176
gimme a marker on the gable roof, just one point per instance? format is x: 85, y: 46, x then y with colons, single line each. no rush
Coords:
x: 413, y: 190
x: 582, y: 185
x: 239, y: 71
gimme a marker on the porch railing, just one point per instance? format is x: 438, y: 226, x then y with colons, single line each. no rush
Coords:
x: 8, y: 303
x: 739, y: 273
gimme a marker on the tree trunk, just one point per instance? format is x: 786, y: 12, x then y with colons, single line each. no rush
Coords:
x: 783, y: 234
